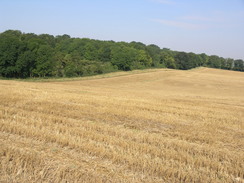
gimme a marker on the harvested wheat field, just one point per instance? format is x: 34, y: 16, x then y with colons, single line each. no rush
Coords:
x: 157, y: 125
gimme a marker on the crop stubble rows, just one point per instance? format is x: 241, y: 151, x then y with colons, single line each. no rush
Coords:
x: 163, y: 126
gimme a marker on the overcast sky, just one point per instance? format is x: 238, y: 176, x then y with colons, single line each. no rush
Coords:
x: 200, y: 26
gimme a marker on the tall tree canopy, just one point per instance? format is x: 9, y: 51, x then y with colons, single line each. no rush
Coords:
x: 29, y: 55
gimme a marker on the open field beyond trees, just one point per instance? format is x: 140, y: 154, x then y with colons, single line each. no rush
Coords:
x: 157, y: 125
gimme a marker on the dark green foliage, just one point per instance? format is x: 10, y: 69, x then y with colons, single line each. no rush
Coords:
x: 167, y: 59
x: 128, y: 58
x: 185, y: 60
x: 238, y: 65
x: 30, y: 55
x: 123, y: 57
x: 10, y: 49
x: 138, y: 45
x: 154, y: 53
x: 214, y: 61
x: 203, y: 59
x: 229, y: 64
x: 25, y: 64
x: 44, y: 61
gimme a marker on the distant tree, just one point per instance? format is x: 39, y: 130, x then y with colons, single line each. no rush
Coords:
x: 104, y: 54
x: 122, y: 57
x: 138, y: 45
x: 29, y: 55
x: 154, y: 53
x: 167, y: 59
x: 10, y: 48
x: 90, y: 51
x: 184, y: 61
x: 61, y: 38
x: 44, y: 61
x: 59, y: 64
x: 229, y: 63
x: 239, y: 65
x: 48, y: 39
x: 143, y: 58
x: 214, y: 61
x: 70, y: 66
x: 222, y: 63
x: 203, y: 59
x: 25, y: 64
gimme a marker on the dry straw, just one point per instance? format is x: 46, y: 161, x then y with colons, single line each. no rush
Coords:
x: 155, y: 126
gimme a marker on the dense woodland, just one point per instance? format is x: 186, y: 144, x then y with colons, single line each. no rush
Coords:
x: 25, y: 55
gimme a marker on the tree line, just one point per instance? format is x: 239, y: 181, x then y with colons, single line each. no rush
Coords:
x: 25, y: 55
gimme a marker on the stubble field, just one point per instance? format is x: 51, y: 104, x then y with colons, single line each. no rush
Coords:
x: 153, y: 126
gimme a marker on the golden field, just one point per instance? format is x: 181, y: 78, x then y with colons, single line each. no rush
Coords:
x: 157, y: 125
